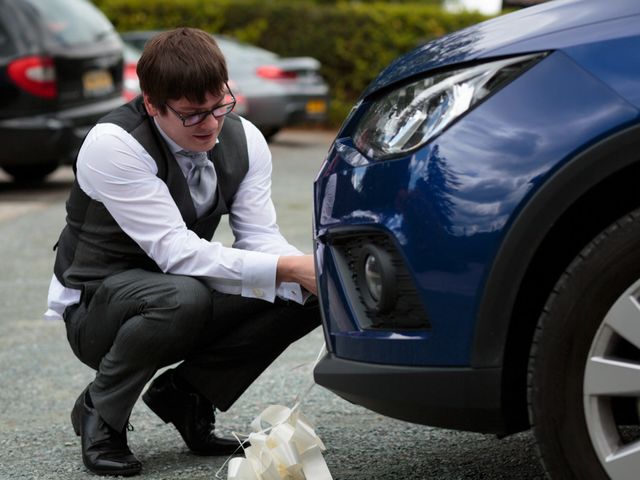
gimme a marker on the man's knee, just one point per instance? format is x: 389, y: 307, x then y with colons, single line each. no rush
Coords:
x: 168, y: 325
x: 183, y: 301
x: 194, y: 299
x: 155, y: 305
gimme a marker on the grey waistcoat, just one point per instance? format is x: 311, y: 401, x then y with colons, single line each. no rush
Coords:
x: 92, y: 245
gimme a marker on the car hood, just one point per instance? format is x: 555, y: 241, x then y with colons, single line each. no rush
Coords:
x: 553, y: 25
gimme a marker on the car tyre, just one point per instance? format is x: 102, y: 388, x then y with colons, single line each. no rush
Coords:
x: 30, y: 173
x: 586, y: 347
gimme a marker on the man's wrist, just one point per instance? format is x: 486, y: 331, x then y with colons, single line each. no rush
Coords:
x: 285, y: 270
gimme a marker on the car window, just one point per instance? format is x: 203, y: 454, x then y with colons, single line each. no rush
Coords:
x: 72, y: 22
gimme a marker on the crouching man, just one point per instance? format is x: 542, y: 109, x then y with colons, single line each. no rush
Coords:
x: 138, y: 279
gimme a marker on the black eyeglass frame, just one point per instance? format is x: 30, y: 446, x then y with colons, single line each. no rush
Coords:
x: 185, y: 118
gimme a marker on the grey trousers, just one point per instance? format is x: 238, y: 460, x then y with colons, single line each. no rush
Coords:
x: 138, y: 322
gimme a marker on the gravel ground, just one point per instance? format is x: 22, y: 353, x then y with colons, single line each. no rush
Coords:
x: 40, y: 378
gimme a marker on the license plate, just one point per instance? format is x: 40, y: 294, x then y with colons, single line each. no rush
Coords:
x: 316, y: 106
x: 97, y: 82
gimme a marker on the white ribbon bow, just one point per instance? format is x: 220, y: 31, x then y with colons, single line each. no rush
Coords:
x: 288, y: 449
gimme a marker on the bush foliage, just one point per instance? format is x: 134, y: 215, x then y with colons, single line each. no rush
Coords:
x: 354, y: 41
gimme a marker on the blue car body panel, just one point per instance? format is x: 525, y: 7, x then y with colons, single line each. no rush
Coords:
x: 452, y: 207
x: 551, y: 26
x: 485, y: 166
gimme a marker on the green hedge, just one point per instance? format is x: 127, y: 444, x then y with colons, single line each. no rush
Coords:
x: 354, y: 41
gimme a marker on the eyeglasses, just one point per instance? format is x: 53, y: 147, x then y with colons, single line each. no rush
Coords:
x: 195, y: 118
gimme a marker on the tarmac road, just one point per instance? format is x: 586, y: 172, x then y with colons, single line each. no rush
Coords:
x: 40, y: 378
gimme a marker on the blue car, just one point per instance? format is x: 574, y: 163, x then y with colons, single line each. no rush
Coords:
x: 477, y: 236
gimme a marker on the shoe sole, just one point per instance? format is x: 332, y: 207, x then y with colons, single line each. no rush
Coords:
x: 120, y: 473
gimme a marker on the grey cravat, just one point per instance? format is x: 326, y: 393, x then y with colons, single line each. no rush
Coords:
x: 201, y: 179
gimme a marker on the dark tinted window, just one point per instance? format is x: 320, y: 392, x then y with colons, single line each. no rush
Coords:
x: 71, y: 22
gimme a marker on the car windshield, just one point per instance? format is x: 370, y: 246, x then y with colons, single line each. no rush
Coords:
x: 71, y: 22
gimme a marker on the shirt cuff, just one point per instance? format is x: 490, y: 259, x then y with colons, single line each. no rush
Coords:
x: 293, y: 291
x: 259, y: 276
x: 51, y: 315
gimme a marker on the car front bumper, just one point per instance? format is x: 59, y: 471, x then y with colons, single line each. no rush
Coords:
x: 470, y: 401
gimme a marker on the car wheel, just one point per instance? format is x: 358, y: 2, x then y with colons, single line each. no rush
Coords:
x: 584, y: 367
x: 30, y: 173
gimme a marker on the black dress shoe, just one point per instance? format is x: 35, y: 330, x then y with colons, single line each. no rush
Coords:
x: 104, y: 450
x: 190, y: 412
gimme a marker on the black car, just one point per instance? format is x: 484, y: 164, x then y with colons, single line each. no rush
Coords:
x: 60, y: 70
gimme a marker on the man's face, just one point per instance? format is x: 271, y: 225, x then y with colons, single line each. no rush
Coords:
x: 197, y: 138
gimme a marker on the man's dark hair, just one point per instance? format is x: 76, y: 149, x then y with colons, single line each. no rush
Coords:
x: 184, y: 62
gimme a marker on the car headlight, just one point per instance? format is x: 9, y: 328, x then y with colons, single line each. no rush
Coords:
x: 413, y: 114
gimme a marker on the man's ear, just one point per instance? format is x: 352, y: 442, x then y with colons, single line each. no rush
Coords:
x: 151, y: 110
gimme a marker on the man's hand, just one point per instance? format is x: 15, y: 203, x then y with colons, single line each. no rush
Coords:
x: 299, y: 269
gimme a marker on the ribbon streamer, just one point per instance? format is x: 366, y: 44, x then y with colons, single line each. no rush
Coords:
x: 289, y: 449
x: 284, y: 446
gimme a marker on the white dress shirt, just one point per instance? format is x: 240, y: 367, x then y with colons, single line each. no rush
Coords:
x: 125, y: 181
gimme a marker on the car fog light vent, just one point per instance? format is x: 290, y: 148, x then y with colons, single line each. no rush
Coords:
x: 377, y: 277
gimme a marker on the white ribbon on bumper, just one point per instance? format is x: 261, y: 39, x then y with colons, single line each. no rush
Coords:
x: 288, y: 449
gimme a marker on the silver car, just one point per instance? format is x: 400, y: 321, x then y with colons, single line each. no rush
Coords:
x: 273, y: 92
